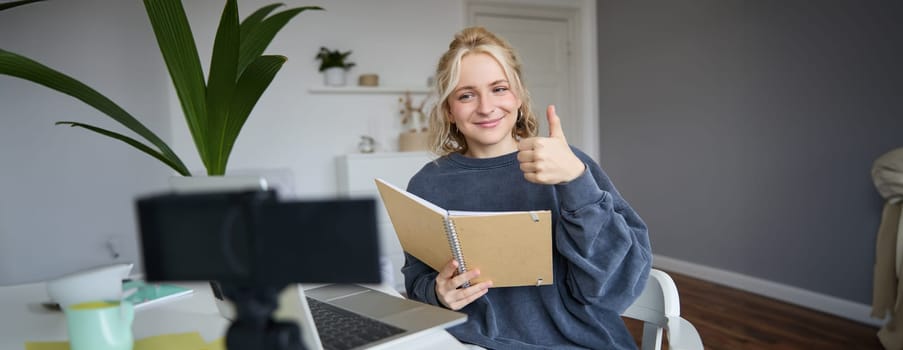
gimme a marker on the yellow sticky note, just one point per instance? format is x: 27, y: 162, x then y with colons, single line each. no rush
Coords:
x: 219, y: 344
x: 47, y: 345
x: 174, y: 341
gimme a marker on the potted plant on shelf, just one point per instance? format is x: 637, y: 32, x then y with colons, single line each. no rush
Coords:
x: 333, y: 66
x: 215, y: 110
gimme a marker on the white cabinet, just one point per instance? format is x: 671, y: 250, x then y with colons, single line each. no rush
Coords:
x: 355, y: 180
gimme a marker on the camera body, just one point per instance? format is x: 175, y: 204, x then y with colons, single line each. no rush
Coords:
x: 253, y: 245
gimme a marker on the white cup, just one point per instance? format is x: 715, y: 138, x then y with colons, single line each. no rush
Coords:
x: 99, y: 283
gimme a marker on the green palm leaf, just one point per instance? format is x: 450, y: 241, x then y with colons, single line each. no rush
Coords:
x: 177, y: 45
x: 259, y: 35
x: 221, y: 85
x: 251, y: 22
x: 251, y: 85
x: 11, y: 4
x: 134, y: 143
x: 22, y: 67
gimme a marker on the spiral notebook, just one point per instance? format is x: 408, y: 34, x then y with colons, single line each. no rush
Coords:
x: 145, y: 295
x: 511, y: 248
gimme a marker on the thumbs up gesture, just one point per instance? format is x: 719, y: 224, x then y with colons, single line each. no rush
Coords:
x: 549, y: 160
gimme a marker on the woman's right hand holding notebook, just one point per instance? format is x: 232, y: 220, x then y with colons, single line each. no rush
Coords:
x: 448, y: 283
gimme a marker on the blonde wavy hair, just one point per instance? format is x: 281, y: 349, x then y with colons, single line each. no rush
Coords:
x: 444, y: 137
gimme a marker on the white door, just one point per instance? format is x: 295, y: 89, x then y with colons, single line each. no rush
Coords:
x: 543, y: 45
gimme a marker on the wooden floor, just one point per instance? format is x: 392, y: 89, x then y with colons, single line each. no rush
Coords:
x: 731, y: 319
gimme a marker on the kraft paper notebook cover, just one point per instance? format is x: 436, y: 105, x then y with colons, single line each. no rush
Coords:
x: 511, y: 248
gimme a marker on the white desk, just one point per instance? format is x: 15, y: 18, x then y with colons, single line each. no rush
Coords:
x: 22, y: 319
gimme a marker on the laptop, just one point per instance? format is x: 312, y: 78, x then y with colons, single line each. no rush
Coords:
x: 348, y: 316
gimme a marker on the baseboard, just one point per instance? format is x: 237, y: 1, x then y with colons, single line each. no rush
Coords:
x: 825, y: 303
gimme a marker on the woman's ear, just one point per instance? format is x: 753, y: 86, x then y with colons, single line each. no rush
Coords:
x: 445, y: 110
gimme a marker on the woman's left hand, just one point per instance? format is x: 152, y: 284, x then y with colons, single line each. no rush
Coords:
x: 549, y: 160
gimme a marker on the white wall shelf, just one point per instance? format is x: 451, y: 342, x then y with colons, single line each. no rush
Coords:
x: 366, y: 90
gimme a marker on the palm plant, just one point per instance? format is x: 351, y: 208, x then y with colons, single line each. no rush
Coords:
x: 215, y: 111
x: 11, y: 4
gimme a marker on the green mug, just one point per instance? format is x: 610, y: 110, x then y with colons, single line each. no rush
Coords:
x: 100, y: 325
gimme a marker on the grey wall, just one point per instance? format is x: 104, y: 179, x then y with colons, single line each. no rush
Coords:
x: 65, y: 192
x: 744, y: 131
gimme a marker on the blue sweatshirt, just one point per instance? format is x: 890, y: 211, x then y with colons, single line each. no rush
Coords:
x: 601, y: 256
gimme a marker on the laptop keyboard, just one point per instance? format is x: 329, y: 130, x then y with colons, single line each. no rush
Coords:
x: 341, y: 329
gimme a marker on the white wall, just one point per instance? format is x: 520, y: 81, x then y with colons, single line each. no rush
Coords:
x: 64, y: 192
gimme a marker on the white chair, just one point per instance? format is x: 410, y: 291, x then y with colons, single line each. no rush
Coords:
x: 659, y: 309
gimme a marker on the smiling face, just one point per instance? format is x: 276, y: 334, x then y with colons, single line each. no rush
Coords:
x: 483, y: 107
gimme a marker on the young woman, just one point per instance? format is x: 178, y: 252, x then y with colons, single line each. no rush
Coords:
x: 491, y: 159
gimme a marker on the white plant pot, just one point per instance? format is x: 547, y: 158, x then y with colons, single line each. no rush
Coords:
x: 334, y: 76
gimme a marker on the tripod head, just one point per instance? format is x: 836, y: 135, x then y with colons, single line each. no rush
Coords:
x: 254, y: 326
